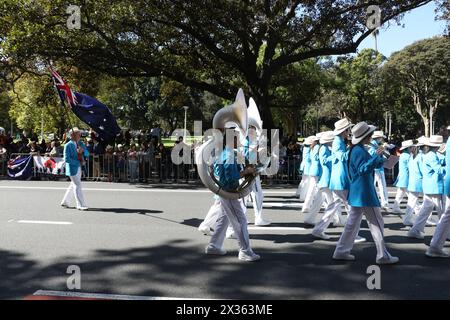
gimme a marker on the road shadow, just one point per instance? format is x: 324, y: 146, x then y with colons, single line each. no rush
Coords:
x: 125, y: 210
x: 178, y: 268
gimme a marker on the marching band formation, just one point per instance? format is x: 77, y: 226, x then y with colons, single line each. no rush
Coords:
x: 341, y: 168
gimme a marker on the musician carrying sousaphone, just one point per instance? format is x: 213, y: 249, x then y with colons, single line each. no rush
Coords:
x: 223, y: 178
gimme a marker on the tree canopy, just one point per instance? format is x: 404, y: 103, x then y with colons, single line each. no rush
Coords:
x: 215, y: 46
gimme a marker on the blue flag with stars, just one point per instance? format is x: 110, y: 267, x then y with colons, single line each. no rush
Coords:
x: 96, y: 115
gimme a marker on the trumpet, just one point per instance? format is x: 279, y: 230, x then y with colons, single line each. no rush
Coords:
x: 385, y: 146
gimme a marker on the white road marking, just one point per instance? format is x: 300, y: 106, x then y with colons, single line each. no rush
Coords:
x: 45, y: 222
x: 11, y: 220
x: 69, y: 294
x: 281, y: 205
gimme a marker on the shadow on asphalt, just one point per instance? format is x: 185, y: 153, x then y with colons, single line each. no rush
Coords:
x: 179, y: 268
x: 125, y: 210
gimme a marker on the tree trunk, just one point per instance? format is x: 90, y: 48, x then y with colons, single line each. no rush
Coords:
x: 262, y: 102
x: 426, y: 123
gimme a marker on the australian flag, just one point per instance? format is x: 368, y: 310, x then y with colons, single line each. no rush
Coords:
x: 88, y: 109
x: 20, y: 168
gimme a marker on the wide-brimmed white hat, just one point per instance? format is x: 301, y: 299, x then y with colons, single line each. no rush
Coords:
x: 327, y: 137
x: 319, y: 135
x: 310, y: 140
x: 406, y: 144
x: 421, y: 141
x: 119, y: 146
x: 434, y: 141
x: 378, y: 134
x: 448, y: 128
x: 360, y: 131
x: 341, y: 125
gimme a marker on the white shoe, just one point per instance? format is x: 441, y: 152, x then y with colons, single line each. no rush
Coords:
x: 212, y: 250
x: 262, y: 223
x: 390, y: 260
x: 436, y: 253
x: 396, y: 209
x: 231, y: 236
x: 248, y: 255
x: 205, y: 230
x: 83, y: 208
x: 339, y: 223
x: 320, y: 235
x: 415, y: 234
x: 360, y: 239
x: 432, y: 221
x: 408, y: 223
x: 344, y: 257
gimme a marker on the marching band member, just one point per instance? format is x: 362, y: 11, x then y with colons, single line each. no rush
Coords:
x: 443, y: 228
x: 339, y: 180
x: 433, y: 186
x: 415, y: 180
x: 326, y: 158
x: 403, y: 175
x: 257, y: 194
x: 314, y: 175
x: 380, y: 178
x: 362, y: 198
x: 73, y: 154
x: 233, y: 211
x: 305, y: 165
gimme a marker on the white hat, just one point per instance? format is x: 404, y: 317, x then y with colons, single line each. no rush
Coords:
x: 310, y: 140
x: 434, y: 141
x: 341, y: 125
x: 406, y: 144
x: 360, y: 131
x: 421, y: 141
x: 327, y: 137
x: 319, y: 135
x: 378, y: 134
x: 448, y: 128
x: 119, y: 146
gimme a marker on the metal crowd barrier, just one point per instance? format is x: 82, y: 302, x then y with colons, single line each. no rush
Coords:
x: 159, y: 169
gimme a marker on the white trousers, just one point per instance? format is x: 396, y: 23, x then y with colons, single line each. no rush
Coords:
x: 443, y: 228
x: 212, y: 215
x: 232, y: 213
x: 401, y: 193
x: 311, y: 193
x: 413, y: 206
x: 334, y: 200
x: 429, y: 203
x: 75, y: 190
x: 257, y: 199
x: 380, y: 181
x: 376, y: 225
x: 302, y: 189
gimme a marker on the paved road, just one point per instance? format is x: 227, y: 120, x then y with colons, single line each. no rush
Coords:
x: 142, y: 240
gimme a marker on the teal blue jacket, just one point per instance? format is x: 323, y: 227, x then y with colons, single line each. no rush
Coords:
x: 306, y: 160
x: 415, y: 178
x: 433, y: 174
x: 227, y: 170
x: 362, y: 191
x: 325, y: 158
x: 315, y: 170
x: 71, y: 158
x: 339, y: 176
x: 403, y: 170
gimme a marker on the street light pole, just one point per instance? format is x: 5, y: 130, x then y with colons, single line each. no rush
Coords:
x: 185, y: 121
